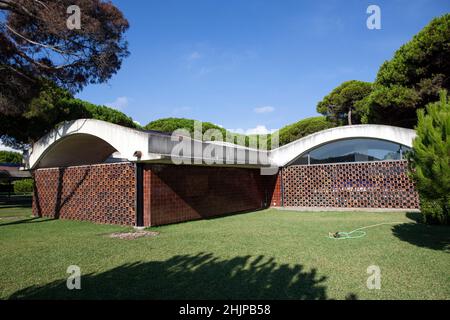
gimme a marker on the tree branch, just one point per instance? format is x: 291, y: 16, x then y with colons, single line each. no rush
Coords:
x: 44, y: 66
x: 12, y: 6
x: 41, y: 3
x: 37, y: 43
x: 19, y: 73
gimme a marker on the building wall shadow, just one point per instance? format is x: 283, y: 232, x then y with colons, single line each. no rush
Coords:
x: 184, y: 193
x: 200, y: 276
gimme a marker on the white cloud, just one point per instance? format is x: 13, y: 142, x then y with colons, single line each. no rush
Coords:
x: 120, y: 103
x: 194, y: 56
x: 265, y: 109
x: 259, y: 129
x: 5, y: 148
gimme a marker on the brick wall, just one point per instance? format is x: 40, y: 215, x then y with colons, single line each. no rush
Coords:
x: 276, y: 194
x: 106, y: 193
x: 102, y: 193
x: 181, y: 193
x: 383, y: 184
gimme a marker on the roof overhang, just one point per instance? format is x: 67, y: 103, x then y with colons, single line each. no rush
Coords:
x: 89, y: 141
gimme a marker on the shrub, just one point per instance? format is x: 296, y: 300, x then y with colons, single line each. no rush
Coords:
x: 23, y: 186
x: 169, y: 125
x: 432, y: 210
x: 303, y: 128
x: 430, y: 160
x: 10, y: 157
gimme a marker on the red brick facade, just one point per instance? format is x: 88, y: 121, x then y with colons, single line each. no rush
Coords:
x: 383, y: 184
x: 181, y: 193
x: 102, y: 193
x: 106, y: 193
x: 277, y: 189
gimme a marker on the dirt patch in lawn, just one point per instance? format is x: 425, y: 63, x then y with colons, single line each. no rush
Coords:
x: 133, y: 235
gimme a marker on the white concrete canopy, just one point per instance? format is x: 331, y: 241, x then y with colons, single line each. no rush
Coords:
x: 287, y: 153
x: 89, y: 141
x: 85, y: 141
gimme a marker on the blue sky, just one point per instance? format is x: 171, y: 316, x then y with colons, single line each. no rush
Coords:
x: 247, y: 64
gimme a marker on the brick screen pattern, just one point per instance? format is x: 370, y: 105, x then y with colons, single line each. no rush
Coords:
x: 383, y: 184
x: 180, y: 193
x: 102, y: 193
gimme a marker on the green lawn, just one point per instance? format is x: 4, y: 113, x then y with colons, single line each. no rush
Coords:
x: 268, y: 254
x: 15, y: 206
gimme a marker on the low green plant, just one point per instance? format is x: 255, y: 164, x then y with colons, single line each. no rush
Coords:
x: 23, y: 186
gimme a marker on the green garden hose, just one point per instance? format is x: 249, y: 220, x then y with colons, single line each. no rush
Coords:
x: 355, y: 234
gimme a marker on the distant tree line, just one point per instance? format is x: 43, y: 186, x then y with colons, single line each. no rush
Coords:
x: 408, y: 82
x: 171, y: 124
x: 10, y: 157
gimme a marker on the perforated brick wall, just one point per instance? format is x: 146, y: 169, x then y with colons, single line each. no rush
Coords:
x: 181, y: 193
x: 106, y: 193
x: 383, y: 184
x: 102, y: 193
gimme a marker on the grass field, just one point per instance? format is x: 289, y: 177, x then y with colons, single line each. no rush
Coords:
x: 268, y: 254
x: 14, y: 206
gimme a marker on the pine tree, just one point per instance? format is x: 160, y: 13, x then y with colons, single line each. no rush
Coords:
x: 430, y: 160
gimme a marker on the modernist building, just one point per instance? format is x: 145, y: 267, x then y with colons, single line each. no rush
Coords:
x: 97, y: 171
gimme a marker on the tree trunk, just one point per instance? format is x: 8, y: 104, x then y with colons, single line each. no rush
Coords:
x: 349, y: 117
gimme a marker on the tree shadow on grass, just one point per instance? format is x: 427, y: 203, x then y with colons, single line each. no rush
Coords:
x: 21, y: 220
x: 423, y: 235
x: 201, y: 276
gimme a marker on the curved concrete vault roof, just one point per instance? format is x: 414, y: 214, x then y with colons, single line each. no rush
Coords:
x: 85, y: 141
x: 89, y: 141
x: 287, y: 153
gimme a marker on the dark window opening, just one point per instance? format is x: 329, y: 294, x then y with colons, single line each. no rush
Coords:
x: 353, y: 150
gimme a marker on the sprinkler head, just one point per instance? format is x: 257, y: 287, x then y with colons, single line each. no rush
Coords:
x: 334, y: 235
